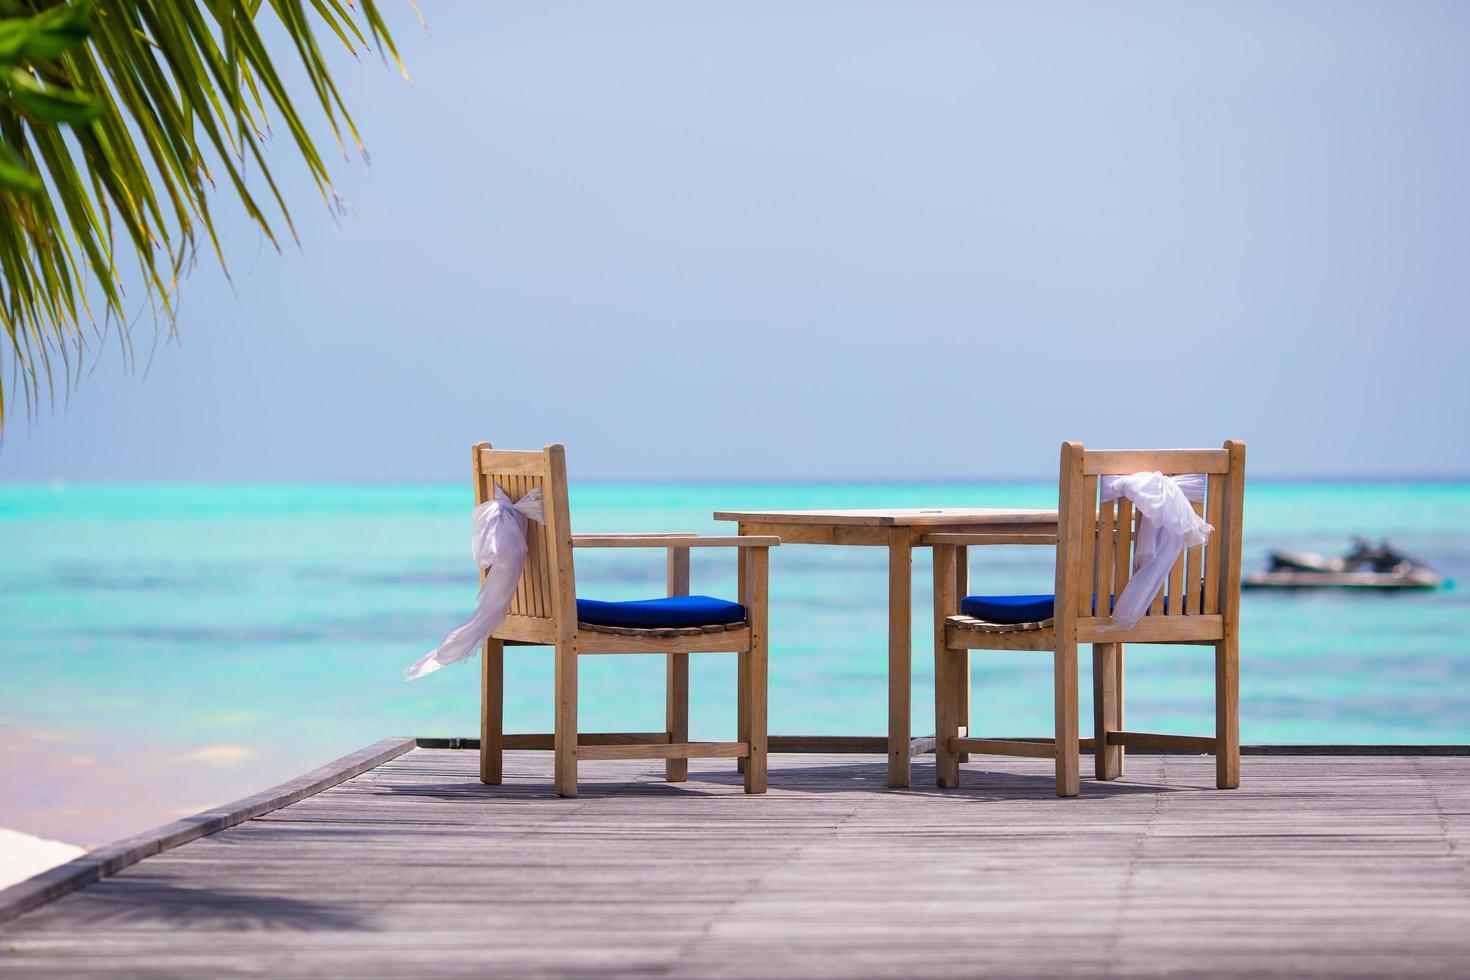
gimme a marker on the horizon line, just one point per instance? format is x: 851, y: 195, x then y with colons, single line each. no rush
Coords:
x: 686, y: 481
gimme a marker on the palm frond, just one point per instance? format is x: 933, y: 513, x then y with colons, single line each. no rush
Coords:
x: 119, y: 121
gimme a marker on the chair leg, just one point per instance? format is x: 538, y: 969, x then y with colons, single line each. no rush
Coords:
x: 755, y: 719
x: 946, y: 714
x: 962, y: 698
x: 1105, y: 699
x: 1068, y: 760
x: 492, y: 711
x: 676, y: 713
x: 742, y: 705
x: 753, y: 595
x: 1118, y: 686
x: 948, y: 694
x: 1227, y: 713
x: 564, y: 737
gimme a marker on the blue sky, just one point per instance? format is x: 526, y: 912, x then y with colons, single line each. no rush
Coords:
x: 848, y: 240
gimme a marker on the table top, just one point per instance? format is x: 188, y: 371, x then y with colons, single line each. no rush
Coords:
x: 893, y: 516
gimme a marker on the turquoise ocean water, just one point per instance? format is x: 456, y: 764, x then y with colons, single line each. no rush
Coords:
x: 209, y: 639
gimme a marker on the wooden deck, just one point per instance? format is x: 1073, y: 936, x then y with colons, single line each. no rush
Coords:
x: 1346, y: 866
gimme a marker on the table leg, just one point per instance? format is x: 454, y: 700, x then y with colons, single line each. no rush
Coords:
x: 742, y: 661
x: 962, y: 589
x: 900, y: 653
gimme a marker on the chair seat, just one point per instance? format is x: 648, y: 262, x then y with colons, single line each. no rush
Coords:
x: 1009, y: 609
x: 662, y: 613
x: 1031, y: 611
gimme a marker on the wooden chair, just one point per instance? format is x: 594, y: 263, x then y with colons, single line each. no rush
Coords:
x: 1199, y: 604
x: 545, y: 612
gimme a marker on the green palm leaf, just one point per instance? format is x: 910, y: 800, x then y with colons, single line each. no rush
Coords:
x: 119, y: 120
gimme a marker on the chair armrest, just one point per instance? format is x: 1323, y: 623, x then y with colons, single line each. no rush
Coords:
x: 981, y: 538
x: 673, y: 541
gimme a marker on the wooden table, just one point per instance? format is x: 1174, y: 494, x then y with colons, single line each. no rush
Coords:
x: 900, y: 530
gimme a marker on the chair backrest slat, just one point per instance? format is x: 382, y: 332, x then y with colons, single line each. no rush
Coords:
x: 1089, y: 555
x: 1193, y: 560
x: 1115, y: 462
x: 519, y: 473
x: 1106, y: 533
x: 1175, y: 587
x: 1106, y: 562
x: 1123, y: 549
x: 1215, y: 514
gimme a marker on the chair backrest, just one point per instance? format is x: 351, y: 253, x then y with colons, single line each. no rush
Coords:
x: 547, y: 586
x: 1096, y: 539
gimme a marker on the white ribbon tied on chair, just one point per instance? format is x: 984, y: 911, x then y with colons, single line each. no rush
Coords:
x: 1167, y: 524
x: 499, y: 545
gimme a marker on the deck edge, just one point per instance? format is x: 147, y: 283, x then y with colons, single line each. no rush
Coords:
x: 862, y: 745
x: 111, y: 858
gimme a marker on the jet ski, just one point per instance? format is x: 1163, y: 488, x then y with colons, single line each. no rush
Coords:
x: 1366, y: 566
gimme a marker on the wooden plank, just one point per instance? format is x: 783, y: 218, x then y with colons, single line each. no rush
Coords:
x: 547, y: 740
x: 1215, y: 514
x: 962, y: 670
x: 862, y: 536
x: 1034, y: 641
x: 1361, y: 860
x: 1156, y: 607
x: 530, y: 573
x: 892, y: 516
x: 1121, y: 462
x: 1107, y: 516
x: 757, y: 570
x: 512, y: 462
x: 492, y: 653
x: 524, y: 629
x: 1106, y: 717
x: 1005, y: 746
x: 676, y: 672
x: 900, y: 654
x: 1152, y: 740
x: 1175, y: 587
x: 742, y: 661
x: 522, y: 604
x: 539, y: 557
x: 843, y: 535
x: 1076, y: 528
x: 669, y: 541
x: 1193, y: 586
x: 103, y: 861
x: 864, y: 744
x: 492, y: 710
x: 1155, y: 629
x: 1045, y: 528
x: 548, y: 565
x: 728, y: 641
x: 1087, y: 552
x: 981, y: 538
x: 947, y: 679
x: 564, y: 606
x: 1227, y: 653
x: 878, y: 744
x: 665, y: 750
x: 1120, y: 712
x: 1123, y: 552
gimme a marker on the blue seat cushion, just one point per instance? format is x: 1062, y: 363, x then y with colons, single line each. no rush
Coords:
x: 1009, y: 608
x: 675, y: 610
x: 1021, y: 608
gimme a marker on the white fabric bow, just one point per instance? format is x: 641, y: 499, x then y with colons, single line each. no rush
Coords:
x: 1167, y: 524
x: 499, y: 545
